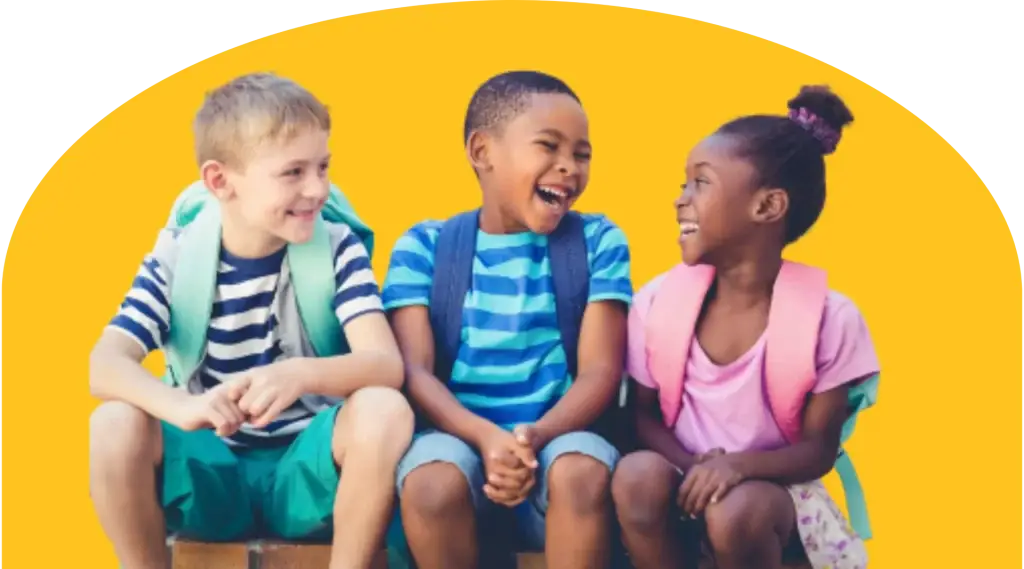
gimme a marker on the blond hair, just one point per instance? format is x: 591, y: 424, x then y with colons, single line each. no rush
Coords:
x: 251, y: 110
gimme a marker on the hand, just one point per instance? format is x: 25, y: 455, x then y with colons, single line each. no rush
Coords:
x: 707, y: 483
x: 265, y: 392
x: 530, y: 437
x: 704, y: 457
x: 509, y: 466
x: 217, y: 408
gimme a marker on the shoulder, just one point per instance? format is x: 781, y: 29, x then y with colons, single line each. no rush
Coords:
x: 841, y: 312
x: 644, y: 297
x: 421, y: 237
x: 166, y: 250
x: 601, y: 231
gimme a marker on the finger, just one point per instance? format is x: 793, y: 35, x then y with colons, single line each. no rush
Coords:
x: 691, y: 489
x: 217, y: 420
x: 499, y: 496
x: 236, y: 414
x: 525, y: 455
x: 233, y: 417
x: 689, y: 479
x: 249, y: 397
x: 702, y: 498
x: 720, y: 492
x: 238, y: 387
x: 272, y: 412
x: 522, y: 433
x: 502, y: 460
x: 261, y: 404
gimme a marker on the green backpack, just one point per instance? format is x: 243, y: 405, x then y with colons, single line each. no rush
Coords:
x: 195, y: 278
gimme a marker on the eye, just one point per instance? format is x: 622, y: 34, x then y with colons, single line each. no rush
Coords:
x: 324, y: 166
x: 583, y: 156
x: 552, y: 146
x: 293, y: 173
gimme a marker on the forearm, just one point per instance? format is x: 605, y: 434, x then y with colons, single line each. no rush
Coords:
x: 340, y: 376
x: 444, y: 411
x: 795, y: 464
x: 118, y: 378
x: 654, y: 435
x: 588, y: 397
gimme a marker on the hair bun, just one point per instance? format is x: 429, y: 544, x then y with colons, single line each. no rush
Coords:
x: 822, y: 112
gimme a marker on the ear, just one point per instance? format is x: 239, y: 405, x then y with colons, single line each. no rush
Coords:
x: 215, y: 178
x: 478, y: 151
x: 770, y: 205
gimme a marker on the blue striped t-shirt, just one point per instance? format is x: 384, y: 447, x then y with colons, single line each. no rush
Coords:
x: 511, y: 367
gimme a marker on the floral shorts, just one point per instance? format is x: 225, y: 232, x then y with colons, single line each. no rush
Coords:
x: 827, y: 538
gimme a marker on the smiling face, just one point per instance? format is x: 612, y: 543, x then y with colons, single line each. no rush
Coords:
x: 720, y: 208
x: 276, y: 196
x: 535, y: 167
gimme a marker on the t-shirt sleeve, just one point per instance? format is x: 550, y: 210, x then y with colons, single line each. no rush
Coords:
x: 145, y: 313
x: 636, y: 336
x: 357, y: 292
x: 411, y: 270
x: 609, y: 262
x: 845, y: 350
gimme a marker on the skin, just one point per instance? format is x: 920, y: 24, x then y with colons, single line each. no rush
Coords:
x: 741, y: 496
x: 547, y: 144
x: 269, y: 203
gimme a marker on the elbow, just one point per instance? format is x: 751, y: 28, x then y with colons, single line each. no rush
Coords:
x: 98, y: 374
x: 392, y: 371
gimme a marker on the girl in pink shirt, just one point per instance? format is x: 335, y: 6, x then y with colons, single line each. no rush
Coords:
x: 753, y: 187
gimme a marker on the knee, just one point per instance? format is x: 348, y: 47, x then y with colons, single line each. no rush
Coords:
x: 580, y: 482
x: 643, y: 489
x: 741, y: 522
x: 379, y: 418
x: 120, y: 434
x: 437, y: 490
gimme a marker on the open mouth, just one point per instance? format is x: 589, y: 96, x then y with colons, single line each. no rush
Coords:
x: 554, y: 196
x: 687, y: 228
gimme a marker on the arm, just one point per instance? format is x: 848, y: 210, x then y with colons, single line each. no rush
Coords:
x: 416, y: 341
x: 809, y: 459
x: 116, y: 374
x: 601, y: 353
x: 374, y: 358
x: 654, y: 435
x: 138, y: 329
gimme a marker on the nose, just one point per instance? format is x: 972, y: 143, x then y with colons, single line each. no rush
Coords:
x: 567, y: 167
x: 683, y: 199
x: 316, y: 189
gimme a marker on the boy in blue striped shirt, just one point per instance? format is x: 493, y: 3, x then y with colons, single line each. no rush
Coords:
x: 509, y: 425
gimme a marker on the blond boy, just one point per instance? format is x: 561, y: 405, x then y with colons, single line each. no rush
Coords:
x: 255, y: 443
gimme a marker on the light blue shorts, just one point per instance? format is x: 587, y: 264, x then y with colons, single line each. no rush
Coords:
x: 435, y: 446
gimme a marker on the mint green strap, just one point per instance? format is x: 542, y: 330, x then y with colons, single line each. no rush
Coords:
x: 855, y: 502
x: 192, y: 292
x: 312, y: 275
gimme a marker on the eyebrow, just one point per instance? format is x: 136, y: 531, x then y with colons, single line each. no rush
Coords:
x: 301, y: 161
x: 558, y: 134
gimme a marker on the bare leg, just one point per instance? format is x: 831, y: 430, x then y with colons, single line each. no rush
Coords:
x: 750, y: 527
x: 579, y: 517
x: 125, y: 450
x: 439, y: 519
x: 644, y: 490
x: 371, y: 433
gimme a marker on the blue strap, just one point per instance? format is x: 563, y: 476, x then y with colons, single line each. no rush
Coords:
x: 453, y: 274
x: 856, y: 504
x: 571, y: 276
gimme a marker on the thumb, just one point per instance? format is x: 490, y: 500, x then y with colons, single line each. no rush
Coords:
x: 522, y: 433
x: 238, y: 387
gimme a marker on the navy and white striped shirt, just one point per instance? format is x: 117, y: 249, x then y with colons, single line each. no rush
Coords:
x: 246, y: 320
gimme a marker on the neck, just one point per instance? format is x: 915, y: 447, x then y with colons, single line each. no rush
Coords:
x: 748, y: 280
x: 494, y: 222
x: 246, y: 242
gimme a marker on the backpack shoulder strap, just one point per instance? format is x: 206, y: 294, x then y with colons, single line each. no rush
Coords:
x: 313, y: 274
x: 192, y: 291
x: 453, y: 274
x: 794, y: 322
x: 671, y: 324
x: 570, y: 274
x: 311, y: 265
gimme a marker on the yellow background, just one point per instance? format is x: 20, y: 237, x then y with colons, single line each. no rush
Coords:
x: 909, y: 232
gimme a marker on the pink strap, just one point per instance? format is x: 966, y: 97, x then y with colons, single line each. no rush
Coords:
x: 670, y: 328
x: 794, y: 322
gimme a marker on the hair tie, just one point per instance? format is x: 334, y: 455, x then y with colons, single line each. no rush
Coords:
x: 821, y: 130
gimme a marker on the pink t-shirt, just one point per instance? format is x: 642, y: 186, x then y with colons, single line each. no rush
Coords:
x: 726, y: 406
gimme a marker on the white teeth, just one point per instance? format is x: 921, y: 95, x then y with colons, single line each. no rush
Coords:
x: 553, y: 191
x: 687, y: 227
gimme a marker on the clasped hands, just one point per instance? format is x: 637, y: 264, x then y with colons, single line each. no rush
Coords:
x: 256, y: 397
x: 510, y: 464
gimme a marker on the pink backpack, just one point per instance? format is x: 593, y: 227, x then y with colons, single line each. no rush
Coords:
x: 794, y: 320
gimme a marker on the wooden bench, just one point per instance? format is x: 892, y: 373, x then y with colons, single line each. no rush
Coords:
x: 269, y: 554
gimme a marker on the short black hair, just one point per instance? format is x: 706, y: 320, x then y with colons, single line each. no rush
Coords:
x: 788, y: 152
x: 504, y: 96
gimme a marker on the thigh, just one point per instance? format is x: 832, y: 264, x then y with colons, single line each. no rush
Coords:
x: 298, y: 502
x: 435, y: 446
x: 203, y: 491
x: 750, y: 511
